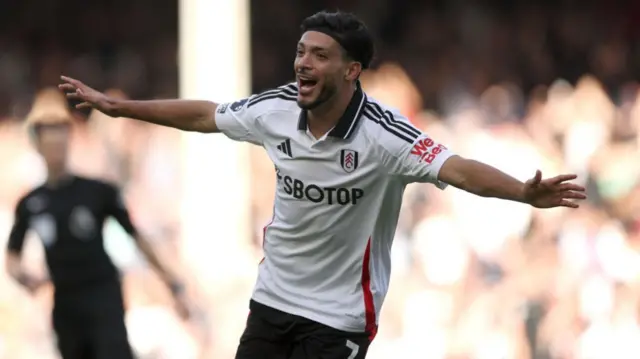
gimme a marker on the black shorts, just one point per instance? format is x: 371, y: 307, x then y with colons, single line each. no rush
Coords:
x: 89, y: 323
x: 272, y: 334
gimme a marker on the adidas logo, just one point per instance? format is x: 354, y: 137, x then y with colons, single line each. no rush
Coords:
x: 285, y: 147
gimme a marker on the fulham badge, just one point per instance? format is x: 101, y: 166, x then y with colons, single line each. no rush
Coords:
x: 349, y: 160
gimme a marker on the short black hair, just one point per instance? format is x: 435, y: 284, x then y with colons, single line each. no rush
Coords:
x: 349, y: 31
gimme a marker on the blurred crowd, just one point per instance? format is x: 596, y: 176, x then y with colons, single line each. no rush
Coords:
x: 454, y: 49
x: 483, y: 278
x: 549, y: 85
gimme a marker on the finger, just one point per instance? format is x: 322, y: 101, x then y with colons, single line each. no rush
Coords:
x: 536, y: 178
x: 563, y: 178
x: 77, y: 95
x: 573, y: 195
x: 83, y: 105
x: 74, y: 96
x: 67, y: 87
x: 569, y: 187
x: 569, y: 204
x: 70, y: 80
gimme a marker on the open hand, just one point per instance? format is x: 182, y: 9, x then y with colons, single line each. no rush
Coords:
x: 88, y: 97
x: 553, y: 192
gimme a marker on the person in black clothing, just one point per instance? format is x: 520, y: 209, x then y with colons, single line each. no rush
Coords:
x: 67, y: 213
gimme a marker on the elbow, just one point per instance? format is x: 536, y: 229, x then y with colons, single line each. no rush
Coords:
x: 206, y: 121
x: 201, y: 120
x: 202, y: 124
x: 455, y: 172
x: 463, y: 174
x: 197, y: 124
x: 12, y: 264
x: 473, y: 182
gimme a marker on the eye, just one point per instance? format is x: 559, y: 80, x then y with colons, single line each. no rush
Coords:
x: 299, y: 52
x: 322, y: 56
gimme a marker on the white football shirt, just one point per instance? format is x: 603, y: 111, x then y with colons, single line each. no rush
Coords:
x: 327, y: 250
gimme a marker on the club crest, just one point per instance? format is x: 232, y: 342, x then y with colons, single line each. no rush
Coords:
x: 349, y: 160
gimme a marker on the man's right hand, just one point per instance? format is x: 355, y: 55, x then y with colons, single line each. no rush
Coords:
x: 88, y: 97
x: 186, y: 115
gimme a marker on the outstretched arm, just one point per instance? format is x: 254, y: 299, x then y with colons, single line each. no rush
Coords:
x: 186, y: 115
x: 238, y: 120
x: 486, y: 181
x: 418, y: 158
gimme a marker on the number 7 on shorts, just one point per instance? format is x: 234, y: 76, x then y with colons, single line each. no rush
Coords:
x: 354, y: 349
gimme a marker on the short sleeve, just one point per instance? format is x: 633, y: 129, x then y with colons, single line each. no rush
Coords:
x: 241, y: 120
x: 238, y: 121
x: 19, y: 228
x: 117, y: 208
x: 408, y: 152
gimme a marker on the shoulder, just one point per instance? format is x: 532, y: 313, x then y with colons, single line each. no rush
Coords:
x: 32, y: 201
x: 285, y: 94
x: 282, y: 98
x: 387, y: 127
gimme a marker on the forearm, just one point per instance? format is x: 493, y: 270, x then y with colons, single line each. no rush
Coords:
x: 154, y: 261
x: 15, y: 270
x: 487, y: 181
x: 186, y: 115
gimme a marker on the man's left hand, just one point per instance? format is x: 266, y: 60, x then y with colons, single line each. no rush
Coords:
x: 553, y: 192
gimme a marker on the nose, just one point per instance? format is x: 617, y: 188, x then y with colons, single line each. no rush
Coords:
x: 303, y: 63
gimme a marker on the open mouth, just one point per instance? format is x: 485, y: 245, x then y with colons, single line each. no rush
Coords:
x: 306, y: 85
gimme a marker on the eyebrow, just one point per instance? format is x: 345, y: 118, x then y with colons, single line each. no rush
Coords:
x: 313, y: 48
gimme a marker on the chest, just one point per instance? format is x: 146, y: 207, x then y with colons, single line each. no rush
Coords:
x: 66, y: 214
x: 325, y: 162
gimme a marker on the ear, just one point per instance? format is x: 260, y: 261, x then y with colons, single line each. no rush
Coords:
x: 353, y: 71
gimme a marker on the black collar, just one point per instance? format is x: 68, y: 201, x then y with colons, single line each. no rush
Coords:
x: 347, y: 123
x: 62, y: 182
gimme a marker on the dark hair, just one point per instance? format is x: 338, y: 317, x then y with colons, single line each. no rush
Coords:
x: 349, y: 31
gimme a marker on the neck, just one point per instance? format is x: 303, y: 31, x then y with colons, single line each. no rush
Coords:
x: 327, y: 115
x: 55, y: 176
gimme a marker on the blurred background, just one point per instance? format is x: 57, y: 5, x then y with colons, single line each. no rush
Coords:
x: 522, y: 85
